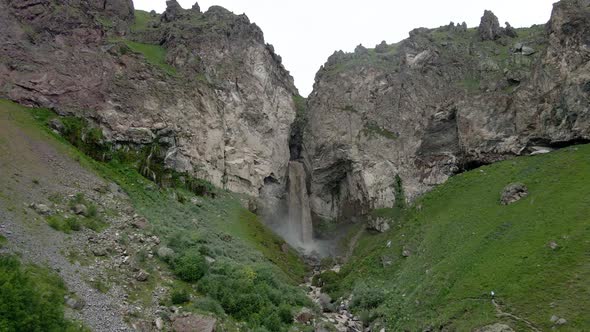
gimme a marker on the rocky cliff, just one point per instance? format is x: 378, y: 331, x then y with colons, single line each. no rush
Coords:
x: 204, y: 87
x: 443, y: 101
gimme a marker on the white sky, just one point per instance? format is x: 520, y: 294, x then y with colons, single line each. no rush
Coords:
x: 306, y: 32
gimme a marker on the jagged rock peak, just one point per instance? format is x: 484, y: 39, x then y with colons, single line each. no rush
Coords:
x: 489, y: 28
x: 173, y: 11
x: 196, y: 7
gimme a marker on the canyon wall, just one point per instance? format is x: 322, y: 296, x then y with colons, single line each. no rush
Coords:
x: 443, y: 101
x: 204, y: 86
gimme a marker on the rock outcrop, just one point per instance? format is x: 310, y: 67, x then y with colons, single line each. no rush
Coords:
x: 441, y: 102
x: 205, y: 87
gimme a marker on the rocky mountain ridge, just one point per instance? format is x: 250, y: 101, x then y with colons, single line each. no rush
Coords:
x: 443, y: 101
x: 203, y: 86
x: 209, y: 98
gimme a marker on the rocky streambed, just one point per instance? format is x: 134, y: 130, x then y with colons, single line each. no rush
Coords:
x: 335, y: 314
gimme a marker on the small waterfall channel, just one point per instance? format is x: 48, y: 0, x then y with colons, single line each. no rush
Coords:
x: 299, y: 224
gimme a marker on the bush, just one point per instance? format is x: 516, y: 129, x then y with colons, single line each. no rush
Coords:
x: 208, y: 304
x: 365, y: 297
x: 31, y: 298
x: 253, y: 294
x: 179, y: 296
x: 190, y: 267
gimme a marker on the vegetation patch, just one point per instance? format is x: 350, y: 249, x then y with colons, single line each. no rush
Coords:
x: 154, y: 54
x: 372, y: 129
x: 457, y: 244
x: 250, y: 276
x: 31, y: 298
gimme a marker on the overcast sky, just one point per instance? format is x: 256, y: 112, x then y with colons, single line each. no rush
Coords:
x: 306, y: 32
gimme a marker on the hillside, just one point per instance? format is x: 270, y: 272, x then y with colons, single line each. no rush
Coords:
x: 155, y: 252
x: 457, y: 244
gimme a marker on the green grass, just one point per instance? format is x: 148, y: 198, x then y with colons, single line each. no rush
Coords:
x: 465, y: 244
x: 32, y: 298
x: 142, y: 19
x: 3, y: 241
x: 154, y: 54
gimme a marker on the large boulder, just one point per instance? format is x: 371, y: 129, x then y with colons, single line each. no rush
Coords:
x: 489, y: 27
x: 193, y: 323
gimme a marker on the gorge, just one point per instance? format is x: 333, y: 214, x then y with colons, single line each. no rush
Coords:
x: 203, y: 109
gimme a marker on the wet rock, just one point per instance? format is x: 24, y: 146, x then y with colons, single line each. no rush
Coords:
x: 513, y: 193
x: 191, y: 323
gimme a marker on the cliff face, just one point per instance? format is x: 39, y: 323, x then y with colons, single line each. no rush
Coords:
x: 204, y: 86
x: 442, y: 101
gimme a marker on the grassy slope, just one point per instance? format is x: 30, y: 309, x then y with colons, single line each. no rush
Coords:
x: 465, y: 244
x: 228, y: 232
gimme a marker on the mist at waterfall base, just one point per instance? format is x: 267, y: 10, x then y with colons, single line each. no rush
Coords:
x: 293, y: 221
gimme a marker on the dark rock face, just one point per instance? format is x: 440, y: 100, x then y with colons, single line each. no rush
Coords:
x: 220, y: 102
x: 441, y: 102
x: 489, y: 28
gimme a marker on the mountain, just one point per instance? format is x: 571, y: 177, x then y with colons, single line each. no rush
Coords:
x: 161, y: 172
x: 441, y: 102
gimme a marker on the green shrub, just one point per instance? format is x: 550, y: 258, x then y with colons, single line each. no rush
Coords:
x: 190, y: 267
x: 365, y: 297
x: 252, y: 294
x: 31, y: 298
x: 179, y: 296
x: 285, y: 314
x: 208, y: 304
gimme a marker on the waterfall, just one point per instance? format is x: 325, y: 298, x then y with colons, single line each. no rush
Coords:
x: 300, y: 226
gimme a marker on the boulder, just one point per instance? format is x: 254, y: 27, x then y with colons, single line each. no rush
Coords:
x: 378, y: 224
x: 193, y: 323
x: 510, y: 31
x: 80, y: 209
x: 75, y: 303
x: 304, y: 316
x: 513, y: 193
x: 142, y: 276
x: 41, y: 209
